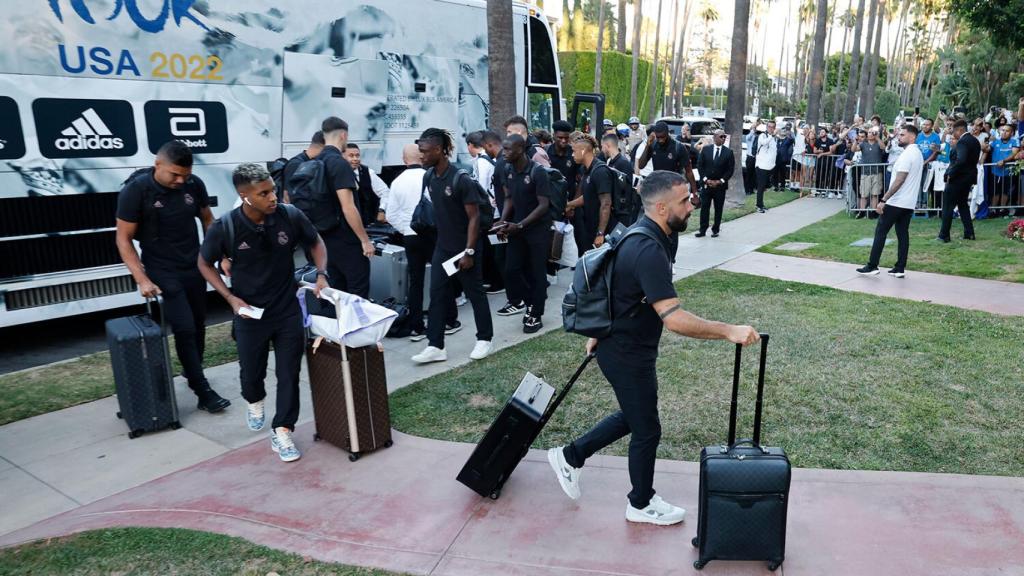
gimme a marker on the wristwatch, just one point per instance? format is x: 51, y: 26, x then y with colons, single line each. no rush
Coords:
x: 323, y: 273
x: 470, y: 251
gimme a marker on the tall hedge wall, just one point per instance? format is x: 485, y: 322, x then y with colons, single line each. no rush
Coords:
x: 578, y: 76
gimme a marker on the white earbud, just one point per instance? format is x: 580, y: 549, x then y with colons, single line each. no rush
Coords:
x: 246, y: 200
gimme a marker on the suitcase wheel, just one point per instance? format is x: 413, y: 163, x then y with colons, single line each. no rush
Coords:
x: 699, y: 565
x: 317, y: 438
x: 175, y: 425
x: 119, y: 415
x: 353, y: 457
x: 496, y: 494
x: 389, y: 444
x: 134, y: 434
x: 695, y: 542
x: 774, y: 565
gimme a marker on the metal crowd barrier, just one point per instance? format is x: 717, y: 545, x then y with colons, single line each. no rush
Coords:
x: 818, y: 174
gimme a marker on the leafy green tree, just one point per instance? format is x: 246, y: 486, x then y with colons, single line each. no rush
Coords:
x: 1000, y: 19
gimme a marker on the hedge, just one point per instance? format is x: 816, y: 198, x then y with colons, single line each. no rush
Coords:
x: 616, y: 70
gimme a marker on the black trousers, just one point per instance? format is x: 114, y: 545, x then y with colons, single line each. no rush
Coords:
x: 472, y: 287
x: 956, y: 196
x: 636, y: 389
x: 579, y: 232
x: 526, y: 269
x: 494, y: 265
x: 900, y: 218
x: 708, y: 196
x: 184, y: 310
x: 348, y: 268
x: 781, y: 173
x: 253, y: 338
x: 763, y: 178
x: 750, y: 175
x: 418, y: 252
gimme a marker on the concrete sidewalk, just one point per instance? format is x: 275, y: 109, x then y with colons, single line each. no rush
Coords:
x: 1004, y: 298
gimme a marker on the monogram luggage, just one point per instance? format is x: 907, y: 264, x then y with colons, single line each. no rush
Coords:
x: 510, y: 436
x: 141, y: 363
x: 744, y: 491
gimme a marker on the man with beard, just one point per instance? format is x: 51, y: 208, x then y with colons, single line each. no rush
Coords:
x: 643, y: 301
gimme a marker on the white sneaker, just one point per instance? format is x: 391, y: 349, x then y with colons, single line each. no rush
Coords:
x: 255, y: 416
x: 281, y: 442
x: 552, y: 279
x: 658, y: 512
x: 460, y: 301
x: 568, y: 477
x: 431, y: 354
x: 481, y: 350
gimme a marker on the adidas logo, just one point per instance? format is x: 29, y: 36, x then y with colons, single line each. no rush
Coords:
x: 243, y: 246
x: 88, y: 132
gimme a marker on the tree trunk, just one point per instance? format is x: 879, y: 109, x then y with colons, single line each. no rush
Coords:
x: 670, y: 61
x: 637, y: 22
x: 851, y: 84
x: 869, y: 102
x: 600, y: 46
x: 920, y: 75
x: 842, y: 68
x: 889, y: 69
x: 782, y: 50
x: 817, y: 65
x: 620, y: 37
x: 687, y: 30
x: 736, y: 97
x: 579, y: 27
x: 795, y: 93
x: 501, y: 72
x: 677, y: 66
x: 652, y: 89
x: 865, y: 63
x: 828, y: 50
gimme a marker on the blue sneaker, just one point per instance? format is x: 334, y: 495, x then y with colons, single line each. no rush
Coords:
x: 282, y: 443
x: 255, y: 416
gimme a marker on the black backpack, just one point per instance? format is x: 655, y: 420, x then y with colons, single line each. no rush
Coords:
x: 276, y: 169
x: 227, y: 222
x: 149, y: 228
x: 483, y: 201
x: 623, y: 196
x: 559, y: 193
x: 587, y: 305
x: 308, y: 191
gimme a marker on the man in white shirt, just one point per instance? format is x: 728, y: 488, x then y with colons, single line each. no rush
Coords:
x: 398, y: 207
x: 370, y: 189
x: 765, y: 151
x: 898, y: 204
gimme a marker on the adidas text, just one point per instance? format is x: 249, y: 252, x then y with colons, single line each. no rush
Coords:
x: 89, y: 143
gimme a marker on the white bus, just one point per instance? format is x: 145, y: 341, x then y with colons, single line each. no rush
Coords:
x: 90, y: 89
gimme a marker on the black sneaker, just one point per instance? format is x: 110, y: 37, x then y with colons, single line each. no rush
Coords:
x: 897, y: 273
x: 532, y: 324
x: 495, y: 289
x: 699, y: 235
x: 529, y: 312
x: 452, y: 328
x: 210, y: 401
x: 417, y: 335
x: 868, y: 270
x: 511, y: 309
x: 762, y: 210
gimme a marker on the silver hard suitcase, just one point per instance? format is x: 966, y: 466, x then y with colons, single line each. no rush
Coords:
x: 389, y: 273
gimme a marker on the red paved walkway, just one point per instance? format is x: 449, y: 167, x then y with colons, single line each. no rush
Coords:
x: 401, y: 509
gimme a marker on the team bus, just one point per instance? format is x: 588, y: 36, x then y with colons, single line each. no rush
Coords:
x: 90, y: 89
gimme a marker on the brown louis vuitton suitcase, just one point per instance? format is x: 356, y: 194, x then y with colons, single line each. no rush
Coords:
x: 350, y: 396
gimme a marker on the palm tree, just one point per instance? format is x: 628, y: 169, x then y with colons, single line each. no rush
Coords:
x: 600, y: 46
x: 670, y: 61
x: 501, y: 70
x: 900, y: 35
x: 638, y: 20
x: 620, y: 36
x: 709, y: 14
x: 869, y: 101
x: 737, y: 92
x: 851, y: 84
x: 865, y: 63
x: 652, y: 89
x: 684, y: 46
x: 828, y: 50
x: 847, y: 20
x: 817, y: 65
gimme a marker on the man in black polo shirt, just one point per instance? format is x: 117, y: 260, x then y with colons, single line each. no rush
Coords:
x: 260, y: 241
x: 456, y: 203
x: 610, y: 147
x: 316, y: 145
x: 560, y: 152
x: 595, y: 197
x: 348, y: 247
x: 644, y: 300
x: 526, y: 222
x: 159, y: 206
x: 668, y: 154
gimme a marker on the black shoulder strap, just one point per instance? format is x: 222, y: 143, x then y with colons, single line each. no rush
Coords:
x: 228, y: 220
x: 426, y: 181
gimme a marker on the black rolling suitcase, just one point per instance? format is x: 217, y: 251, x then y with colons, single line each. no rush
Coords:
x: 744, y: 491
x: 510, y: 436
x: 141, y: 361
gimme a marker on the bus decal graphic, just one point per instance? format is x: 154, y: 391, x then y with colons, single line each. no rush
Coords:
x: 177, y: 8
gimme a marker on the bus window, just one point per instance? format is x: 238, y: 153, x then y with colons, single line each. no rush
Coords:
x: 541, y: 110
x: 542, y: 55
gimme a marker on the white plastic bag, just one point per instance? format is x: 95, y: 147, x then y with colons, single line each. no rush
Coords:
x: 570, y: 253
x: 359, y: 322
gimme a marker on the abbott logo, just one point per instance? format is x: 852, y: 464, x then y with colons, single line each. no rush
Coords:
x: 88, y: 132
x: 202, y: 126
x: 71, y: 128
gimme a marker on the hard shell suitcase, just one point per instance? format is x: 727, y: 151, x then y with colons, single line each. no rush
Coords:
x: 509, y: 438
x: 350, y: 396
x: 744, y: 491
x: 141, y: 363
x: 389, y: 273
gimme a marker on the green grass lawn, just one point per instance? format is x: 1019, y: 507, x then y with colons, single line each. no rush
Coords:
x: 32, y: 392
x: 146, y: 551
x: 771, y: 200
x: 854, y: 382
x: 992, y: 256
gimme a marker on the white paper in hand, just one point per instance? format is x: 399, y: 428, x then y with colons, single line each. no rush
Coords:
x: 451, y: 266
x: 251, y: 312
x: 495, y: 240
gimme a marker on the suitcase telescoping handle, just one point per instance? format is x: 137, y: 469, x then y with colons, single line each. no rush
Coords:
x: 563, y: 392
x: 736, y: 391
x: 163, y: 392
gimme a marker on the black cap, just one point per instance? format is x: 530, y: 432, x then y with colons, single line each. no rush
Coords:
x: 660, y: 128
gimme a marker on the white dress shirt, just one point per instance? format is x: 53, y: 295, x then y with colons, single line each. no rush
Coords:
x: 378, y: 185
x: 406, y: 191
x: 767, y: 151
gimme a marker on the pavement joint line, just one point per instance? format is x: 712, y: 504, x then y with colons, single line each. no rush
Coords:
x: 47, y: 484
x: 294, y: 531
x: 469, y: 518
x: 543, y: 566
